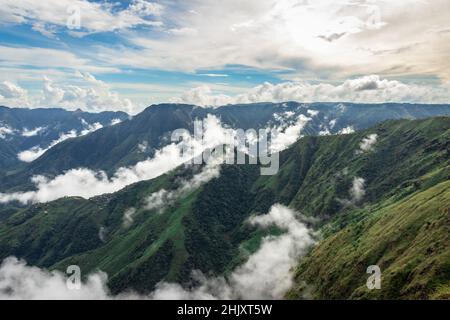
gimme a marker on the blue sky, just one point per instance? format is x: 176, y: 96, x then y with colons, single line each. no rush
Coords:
x: 127, y: 55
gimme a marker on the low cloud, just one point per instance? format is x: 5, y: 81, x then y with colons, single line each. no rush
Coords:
x: 267, y: 274
x: 92, y: 94
x: 10, y: 90
x: 143, y: 146
x: 35, y: 152
x: 32, y: 132
x: 288, y: 134
x: 87, y: 183
x: 12, y: 94
x: 356, y: 192
x: 368, y: 143
x: 21, y: 282
x: 102, y: 234
x: 115, y: 121
x: 5, y: 131
x: 162, y: 198
x: 51, y: 19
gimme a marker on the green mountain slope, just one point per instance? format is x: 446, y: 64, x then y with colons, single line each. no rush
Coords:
x: 118, y: 146
x: 204, y: 229
x: 52, y: 123
x: 408, y: 239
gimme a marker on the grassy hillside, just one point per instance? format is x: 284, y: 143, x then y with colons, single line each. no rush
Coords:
x: 205, y: 228
x: 408, y: 239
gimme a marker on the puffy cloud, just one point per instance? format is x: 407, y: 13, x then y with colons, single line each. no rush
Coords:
x: 288, y: 135
x: 347, y: 130
x: 203, y: 96
x: 35, y: 152
x: 367, y: 89
x: 115, y: 121
x: 87, y: 183
x: 367, y: 144
x: 50, y: 18
x: 313, y: 113
x: 5, y: 131
x: 322, y: 37
x: 94, y: 95
x: 128, y: 217
x: 357, y: 192
x: 161, y: 198
x: 32, y: 132
x: 143, y: 146
x: 11, y: 90
x: 21, y: 282
x: 267, y: 274
x: 13, y: 95
x: 13, y: 56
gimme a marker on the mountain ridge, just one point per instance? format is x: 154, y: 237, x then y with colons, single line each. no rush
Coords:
x: 205, y: 229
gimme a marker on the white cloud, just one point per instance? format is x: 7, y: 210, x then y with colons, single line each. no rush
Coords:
x: 341, y: 38
x: 21, y: 282
x: 313, y: 113
x: 162, y: 198
x: 35, y: 152
x: 287, y: 135
x: 91, y: 128
x: 5, y: 131
x: 143, y: 147
x: 128, y: 217
x: 357, y: 193
x: 203, y: 96
x: 347, y: 130
x: 12, y: 94
x: 115, y: 121
x: 86, y: 183
x: 11, y: 90
x: 51, y: 17
x: 32, y: 132
x: 267, y: 274
x: 367, y: 144
x: 367, y: 89
x: 102, y: 234
x: 93, y: 95
x: 48, y: 58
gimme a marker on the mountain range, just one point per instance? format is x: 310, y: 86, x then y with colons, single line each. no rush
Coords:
x: 134, y: 140
x: 24, y: 129
x: 369, y: 184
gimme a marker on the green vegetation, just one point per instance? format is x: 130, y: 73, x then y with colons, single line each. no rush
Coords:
x: 401, y: 223
x: 407, y: 239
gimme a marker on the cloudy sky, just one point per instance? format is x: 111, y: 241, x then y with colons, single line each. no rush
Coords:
x: 126, y: 55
